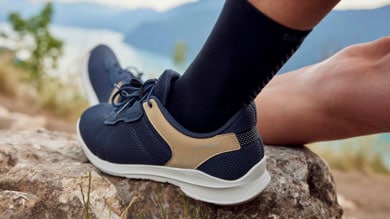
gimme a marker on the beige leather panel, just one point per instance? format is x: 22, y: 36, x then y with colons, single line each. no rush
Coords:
x: 188, y: 152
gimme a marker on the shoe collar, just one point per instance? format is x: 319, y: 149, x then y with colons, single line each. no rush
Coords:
x: 164, y: 84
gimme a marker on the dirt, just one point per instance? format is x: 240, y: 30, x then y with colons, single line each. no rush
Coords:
x: 367, y: 195
x: 361, y: 195
x: 53, y: 121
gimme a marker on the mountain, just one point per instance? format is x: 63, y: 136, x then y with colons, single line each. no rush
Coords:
x: 92, y: 15
x: 82, y: 14
x: 191, y: 23
x: 339, y: 30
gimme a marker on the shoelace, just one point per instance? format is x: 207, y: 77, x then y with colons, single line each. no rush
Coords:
x: 130, y: 93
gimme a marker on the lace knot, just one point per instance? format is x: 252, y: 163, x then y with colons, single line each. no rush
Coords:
x: 135, y: 91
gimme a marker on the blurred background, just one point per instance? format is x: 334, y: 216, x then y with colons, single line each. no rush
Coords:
x: 43, y: 45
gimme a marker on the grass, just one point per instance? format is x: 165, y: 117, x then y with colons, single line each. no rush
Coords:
x: 363, y: 154
x: 86, y: 201
x: 124, y: 213
x: 196, y: 213
x: 9, y: 75
x: 64, y: 99
x: 160, y: 203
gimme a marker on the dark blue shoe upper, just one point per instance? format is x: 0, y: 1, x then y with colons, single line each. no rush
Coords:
x: 134, y: 140
x: 105, y: 71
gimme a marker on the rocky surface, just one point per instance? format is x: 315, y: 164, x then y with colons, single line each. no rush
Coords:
x: 19, y: 121
x: 46, y: 175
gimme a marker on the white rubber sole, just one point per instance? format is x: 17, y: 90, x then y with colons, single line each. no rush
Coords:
x: 193, y: 183
x: 86, y: 82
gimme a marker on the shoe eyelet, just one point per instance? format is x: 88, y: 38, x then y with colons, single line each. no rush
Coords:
x: 150, y: 104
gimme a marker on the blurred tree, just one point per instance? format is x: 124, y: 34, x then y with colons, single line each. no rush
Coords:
x: 179, y: 55
x: 45, y: 49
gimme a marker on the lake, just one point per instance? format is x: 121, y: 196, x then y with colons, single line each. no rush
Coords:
x: 79, y: 41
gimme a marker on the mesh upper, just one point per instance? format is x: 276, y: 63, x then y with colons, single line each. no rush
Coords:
x: 104, y: 71
x: 134, y: 143
x: 138, y: 143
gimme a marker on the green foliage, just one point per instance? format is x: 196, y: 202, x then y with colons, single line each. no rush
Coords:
x: 32, y: 35
x: 179, y: 56
x: 63, y: 98
x: 45, y: 49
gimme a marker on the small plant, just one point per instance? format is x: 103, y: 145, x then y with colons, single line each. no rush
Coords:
x: 179, y: 55
x: 197, y: 211
x: 160, y: 204
x: 124, y: 214
x: 185, y: 205
x: 32, y: 35
x: 45, y: 47
x: 158, y: 200
x: 86, y: 200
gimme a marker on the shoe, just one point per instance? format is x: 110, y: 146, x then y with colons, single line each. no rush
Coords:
x: 138, y: 138
x: 102, y: 72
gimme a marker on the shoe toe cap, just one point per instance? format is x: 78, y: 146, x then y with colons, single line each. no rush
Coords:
x: 91, y: 126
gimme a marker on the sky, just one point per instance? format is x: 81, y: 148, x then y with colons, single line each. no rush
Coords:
x: 162, y: 5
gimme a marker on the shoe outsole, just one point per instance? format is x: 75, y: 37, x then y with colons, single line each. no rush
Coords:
x: 193, y: 183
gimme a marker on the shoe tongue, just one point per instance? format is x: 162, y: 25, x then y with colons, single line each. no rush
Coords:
x: 164, y: 85
x: 117, y: 74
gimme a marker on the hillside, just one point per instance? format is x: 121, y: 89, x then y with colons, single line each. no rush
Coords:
x: 192, y: 23
x: 83, y: 14
x: 338, y: 30
x: 159, y: 32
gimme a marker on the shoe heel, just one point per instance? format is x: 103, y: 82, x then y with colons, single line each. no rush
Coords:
x: 232, y: 193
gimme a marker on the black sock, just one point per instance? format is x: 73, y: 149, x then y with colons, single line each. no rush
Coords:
x: 243, y: 52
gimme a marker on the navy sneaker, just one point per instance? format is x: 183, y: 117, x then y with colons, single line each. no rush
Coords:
x: 138, y: 138
x: 102, y: 73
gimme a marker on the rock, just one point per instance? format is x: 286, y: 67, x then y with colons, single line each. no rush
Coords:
x: 19, y: 121
x: 346, y: 204
x: 46, y: 175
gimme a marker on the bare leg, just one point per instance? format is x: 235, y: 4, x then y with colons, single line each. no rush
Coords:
x: 344, y: 96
